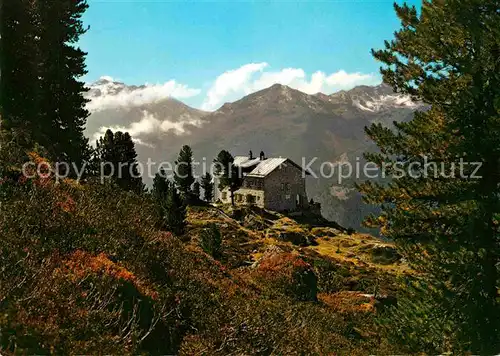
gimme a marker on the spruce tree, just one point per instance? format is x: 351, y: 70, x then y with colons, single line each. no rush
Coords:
x: 208, y: 187
x: 116, y: 157
x: 228, y: 174
x: 444, y: 216
x: 183, y: 175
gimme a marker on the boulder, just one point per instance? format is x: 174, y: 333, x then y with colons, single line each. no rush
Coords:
x: 325, y: 232
x: 383, y: 254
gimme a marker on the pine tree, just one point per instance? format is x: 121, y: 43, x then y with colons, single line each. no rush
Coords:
x: 19, y: 90
x: 208, y: 187
x: 444, y: 216
x: 211, y: 241
x: 170, y: 207
x: 228, y: 174
x: 161, y: 186
x: 41, y: 98
x: 62, y: 112
x: 160, y: 192
x: 116, y: 156
x: 174, y: 212
x: 196, y: 190
x: 183, y: 175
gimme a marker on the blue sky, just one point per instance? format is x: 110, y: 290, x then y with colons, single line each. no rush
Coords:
x: 191, y: 44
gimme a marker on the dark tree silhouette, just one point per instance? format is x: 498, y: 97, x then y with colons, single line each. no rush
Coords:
x: 208, y: 187
x: 444, y: 215
x: 116, y: 158
x: 183, y: 174
x: 228, y: 174
x: 41, y: 97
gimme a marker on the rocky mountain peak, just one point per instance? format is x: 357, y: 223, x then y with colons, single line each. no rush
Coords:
x: 374, y: 98
x: 105, y: 86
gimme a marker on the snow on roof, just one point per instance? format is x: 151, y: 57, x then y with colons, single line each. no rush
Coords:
x: 262, y: 167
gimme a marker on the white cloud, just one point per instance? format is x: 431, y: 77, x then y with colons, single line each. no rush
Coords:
x: 150, y: 125
x: 114, y: 95
x: 231, y: 82
x: 253, y: 77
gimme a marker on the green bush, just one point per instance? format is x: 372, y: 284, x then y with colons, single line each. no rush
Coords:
x: 211, y: 241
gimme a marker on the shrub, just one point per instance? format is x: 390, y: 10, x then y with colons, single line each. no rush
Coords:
x: 384, y: 255
x: 289, y: 274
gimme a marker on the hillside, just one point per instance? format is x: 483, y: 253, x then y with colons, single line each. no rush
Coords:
x: 253, y: 234
x: 279, y: 120
x: 97, y: 277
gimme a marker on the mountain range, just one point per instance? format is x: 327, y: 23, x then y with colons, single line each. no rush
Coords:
x: 278, y: 120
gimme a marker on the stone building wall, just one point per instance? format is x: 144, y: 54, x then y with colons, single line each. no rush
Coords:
x: 241, y: 197
x: 285, y: 189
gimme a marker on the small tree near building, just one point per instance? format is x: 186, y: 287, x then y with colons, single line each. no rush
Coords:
x: 208, y: 187
x: 229, y: 175
x: 183, y: 175
x: 196, y: 190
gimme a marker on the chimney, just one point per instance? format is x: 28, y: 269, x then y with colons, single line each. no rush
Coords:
x: 250, y: 155
x: 262, y: 157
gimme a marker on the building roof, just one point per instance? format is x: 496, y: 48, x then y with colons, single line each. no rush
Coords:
x: 263, y: 167
x: 245, y: 162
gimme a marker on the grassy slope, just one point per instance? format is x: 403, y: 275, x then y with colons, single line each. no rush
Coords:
x: 86, y: 272
x: 357, y: 263
x: 249, y: 239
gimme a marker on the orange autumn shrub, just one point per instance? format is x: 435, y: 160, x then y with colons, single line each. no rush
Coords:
x: 81, y: 265
x: 62, y: 290
x: 289, y: 274
x: 79, y: 308
x: 348, y: 302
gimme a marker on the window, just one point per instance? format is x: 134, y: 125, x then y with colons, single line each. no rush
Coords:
x: 224, y: 195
